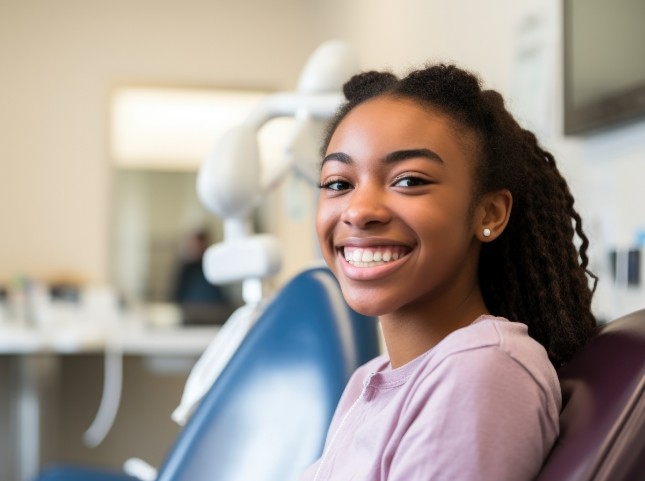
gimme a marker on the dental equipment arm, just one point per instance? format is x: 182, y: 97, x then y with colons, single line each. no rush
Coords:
x: 231, y: 180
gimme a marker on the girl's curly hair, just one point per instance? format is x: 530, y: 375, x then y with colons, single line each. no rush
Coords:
x: 533, y: 272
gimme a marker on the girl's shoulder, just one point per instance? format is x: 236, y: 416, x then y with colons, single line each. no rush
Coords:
x: 494, y: 344
x: 481, y: 350
x: 494, y: 333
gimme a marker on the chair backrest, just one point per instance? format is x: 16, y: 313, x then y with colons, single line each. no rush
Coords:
x: 602, y: 424
x: 266, y: 416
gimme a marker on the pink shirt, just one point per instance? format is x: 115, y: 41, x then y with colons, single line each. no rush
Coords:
x: 483, y: 404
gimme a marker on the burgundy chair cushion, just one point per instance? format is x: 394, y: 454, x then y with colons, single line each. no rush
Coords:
x: 602, y: 424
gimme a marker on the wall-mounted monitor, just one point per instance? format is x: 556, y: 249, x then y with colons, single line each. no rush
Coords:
x: 604, y: 63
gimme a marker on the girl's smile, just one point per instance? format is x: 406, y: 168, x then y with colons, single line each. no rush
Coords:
x: 372, y: 258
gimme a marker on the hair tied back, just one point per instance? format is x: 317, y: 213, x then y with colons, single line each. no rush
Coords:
x: 368, y: 84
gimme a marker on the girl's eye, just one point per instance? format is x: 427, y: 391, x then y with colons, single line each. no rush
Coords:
x: 336, y: 185
x: 410, y: 181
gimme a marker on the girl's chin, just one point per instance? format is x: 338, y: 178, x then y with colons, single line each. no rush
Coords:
x: 366, y: 310
x: 367, y: 305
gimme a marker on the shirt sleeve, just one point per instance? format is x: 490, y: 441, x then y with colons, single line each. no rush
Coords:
x: 479, y: 415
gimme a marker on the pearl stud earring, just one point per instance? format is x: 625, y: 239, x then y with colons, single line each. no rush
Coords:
x: 486, y: 232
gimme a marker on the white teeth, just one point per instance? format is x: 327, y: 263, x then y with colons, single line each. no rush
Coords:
x: 370, y: 257
x: 366, y: 264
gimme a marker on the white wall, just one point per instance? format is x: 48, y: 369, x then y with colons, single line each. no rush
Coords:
x: 614, y: 164
x: 408, y: 33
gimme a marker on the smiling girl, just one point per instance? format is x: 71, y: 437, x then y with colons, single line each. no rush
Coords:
x: 440, y: 215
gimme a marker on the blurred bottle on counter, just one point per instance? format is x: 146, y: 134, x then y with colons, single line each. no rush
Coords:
x: 28, y: 302
x: 3, y: 304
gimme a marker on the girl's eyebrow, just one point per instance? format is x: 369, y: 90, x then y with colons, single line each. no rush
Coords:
x: 400, y: 155
x: 339, y: 156
x: 392, y: 157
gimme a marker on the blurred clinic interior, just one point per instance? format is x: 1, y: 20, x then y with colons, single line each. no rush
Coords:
x: 107, y: 112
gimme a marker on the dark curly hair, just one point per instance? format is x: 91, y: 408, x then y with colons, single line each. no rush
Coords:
x: 533, y: 272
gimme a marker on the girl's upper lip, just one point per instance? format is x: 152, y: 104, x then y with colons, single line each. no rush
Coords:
x: 370, y: 242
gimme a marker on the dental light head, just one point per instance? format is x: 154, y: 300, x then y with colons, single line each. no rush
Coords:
x: 232, y: 180
x: 228, y: 183
x: 328, y: 68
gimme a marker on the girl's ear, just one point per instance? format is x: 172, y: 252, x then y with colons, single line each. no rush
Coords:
x: 492, y: 214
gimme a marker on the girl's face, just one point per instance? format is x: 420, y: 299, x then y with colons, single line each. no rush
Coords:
x: 393, y: 217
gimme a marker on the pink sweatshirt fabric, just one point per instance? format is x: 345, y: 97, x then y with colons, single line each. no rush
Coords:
x: 483, y: 404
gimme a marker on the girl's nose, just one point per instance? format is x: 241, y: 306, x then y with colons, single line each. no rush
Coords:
x: 365, y: 207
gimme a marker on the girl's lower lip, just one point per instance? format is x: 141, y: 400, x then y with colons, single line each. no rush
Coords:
x: 368, y: 273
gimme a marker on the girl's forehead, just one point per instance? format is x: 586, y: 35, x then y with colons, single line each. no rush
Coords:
x: 402, y: 106
x: 388, y: 122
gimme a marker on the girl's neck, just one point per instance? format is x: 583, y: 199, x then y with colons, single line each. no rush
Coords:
x: 410, y: 332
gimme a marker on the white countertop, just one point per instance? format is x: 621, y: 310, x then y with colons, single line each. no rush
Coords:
x: 78, y: 338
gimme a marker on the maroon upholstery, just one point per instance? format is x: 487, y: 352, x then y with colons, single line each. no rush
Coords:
x: 602, y: 424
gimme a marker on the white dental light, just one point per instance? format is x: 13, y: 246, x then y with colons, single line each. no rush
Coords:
x: 328, y: 68
x: 229, y: 178
x: 232, y: 180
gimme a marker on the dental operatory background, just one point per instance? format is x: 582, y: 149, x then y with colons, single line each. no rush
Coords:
x: 107, y: 112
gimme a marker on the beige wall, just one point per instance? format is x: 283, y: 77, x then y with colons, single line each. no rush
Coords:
x: 59, y: 61
x: 408, y: 33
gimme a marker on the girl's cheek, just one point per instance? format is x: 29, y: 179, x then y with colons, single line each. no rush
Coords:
x: 323, y: 222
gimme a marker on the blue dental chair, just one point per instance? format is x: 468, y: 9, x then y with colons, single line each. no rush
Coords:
x: 266, y: 416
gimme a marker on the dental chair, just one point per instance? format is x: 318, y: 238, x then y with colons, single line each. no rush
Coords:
x: 266, y: 416
x: 602, y: 423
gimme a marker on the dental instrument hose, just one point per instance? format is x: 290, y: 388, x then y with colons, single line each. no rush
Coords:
x: 112, y: 386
